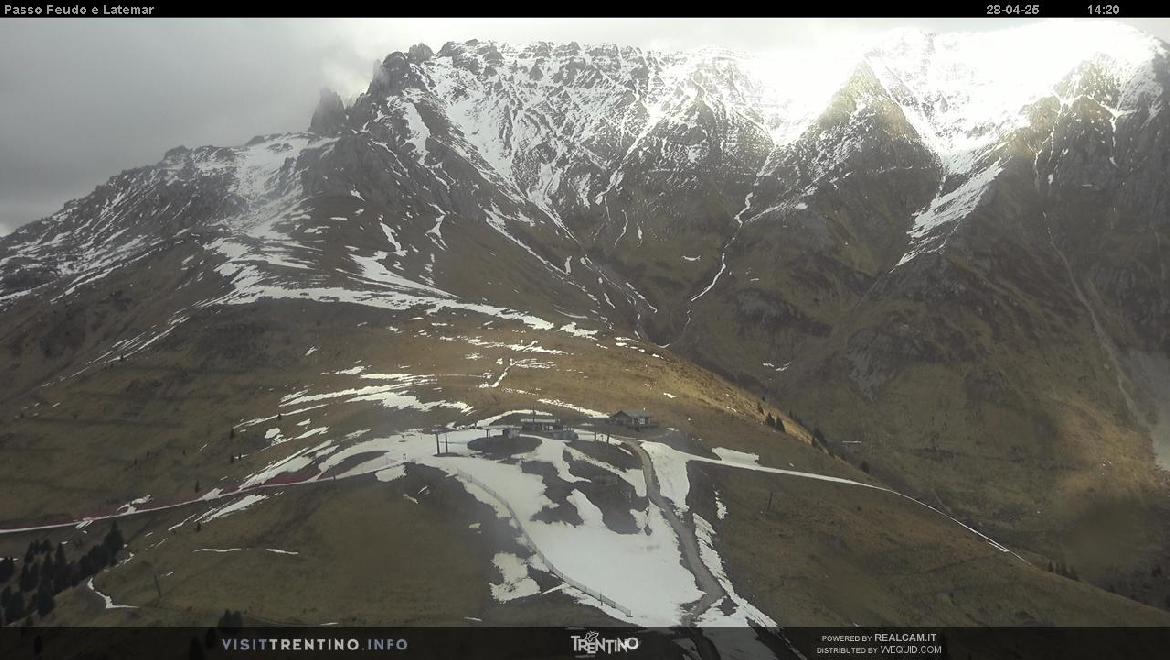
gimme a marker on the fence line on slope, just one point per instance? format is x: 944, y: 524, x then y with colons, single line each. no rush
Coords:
x: 535, y: 548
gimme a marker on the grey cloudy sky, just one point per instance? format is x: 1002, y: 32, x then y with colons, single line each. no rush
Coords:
x: 81, y: 100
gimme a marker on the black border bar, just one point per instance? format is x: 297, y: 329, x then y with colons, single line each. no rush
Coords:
x: 988, y: 9
x: 498, y: 643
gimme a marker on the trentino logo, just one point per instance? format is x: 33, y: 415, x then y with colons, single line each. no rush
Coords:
x: 592, y: 644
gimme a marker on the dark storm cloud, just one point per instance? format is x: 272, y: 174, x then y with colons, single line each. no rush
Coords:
x: 81, y: 100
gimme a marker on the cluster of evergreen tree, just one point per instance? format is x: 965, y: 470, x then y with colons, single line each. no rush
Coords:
x: 46, y: 572
x: 1061, y: 568
x: 818, y: 440
x: 231, y: 620
x: 775, y: 422
x: 796, y: 418
x: 12, y: 606
x: 770, y: 420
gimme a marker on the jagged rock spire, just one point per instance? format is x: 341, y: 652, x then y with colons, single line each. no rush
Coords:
x: 330, y: 114
x: 419, y: 53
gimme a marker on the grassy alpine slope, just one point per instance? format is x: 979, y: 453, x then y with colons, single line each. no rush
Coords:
x: 819, y: 553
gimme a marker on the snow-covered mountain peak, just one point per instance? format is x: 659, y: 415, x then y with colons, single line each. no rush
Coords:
x: 562, y: 131
x: 536, y: 111
x: 965, y: 91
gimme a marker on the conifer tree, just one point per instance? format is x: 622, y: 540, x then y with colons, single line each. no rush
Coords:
x: 28, y: 578
x: 113, y: 540
x: 15, y: 608
x: 61, y: 571
x: 231, y: 620
x: 45, y: 603
x: 47, y: 572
